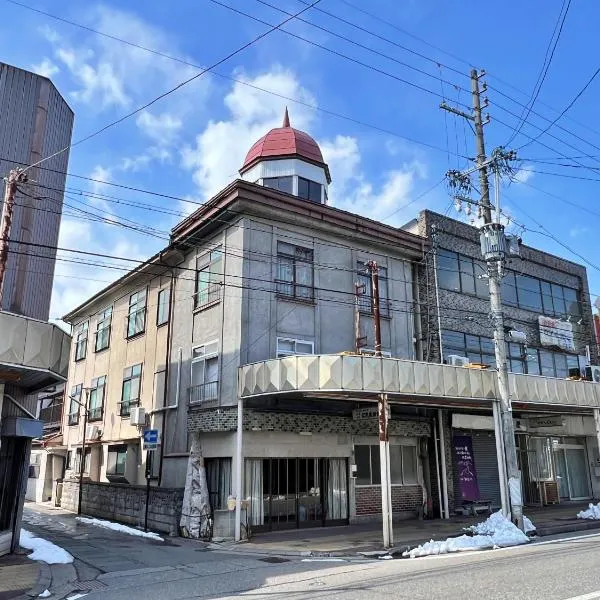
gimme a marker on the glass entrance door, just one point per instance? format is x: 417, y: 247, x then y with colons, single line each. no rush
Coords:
x: 560, y: 463
x: 579, y: 485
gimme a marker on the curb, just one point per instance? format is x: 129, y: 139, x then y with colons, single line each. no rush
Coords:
x: 43, y: 583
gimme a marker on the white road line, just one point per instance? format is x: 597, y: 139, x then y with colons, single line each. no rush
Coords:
x: 590, y: 596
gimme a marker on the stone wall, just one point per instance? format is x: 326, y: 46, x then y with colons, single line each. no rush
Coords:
x: 225, y: 419
x: 127, y: 504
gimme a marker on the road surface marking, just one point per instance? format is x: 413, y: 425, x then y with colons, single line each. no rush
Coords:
x: 590, y: 596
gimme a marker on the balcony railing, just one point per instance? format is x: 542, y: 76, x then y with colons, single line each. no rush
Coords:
x: 95, y: 414
x: 208, y: 296
x: 51, y: 415
x: 205, y: 393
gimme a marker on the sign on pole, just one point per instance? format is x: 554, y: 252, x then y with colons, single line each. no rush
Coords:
x: 150, y: 438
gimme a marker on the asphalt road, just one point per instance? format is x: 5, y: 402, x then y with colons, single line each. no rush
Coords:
x: 123, y: 567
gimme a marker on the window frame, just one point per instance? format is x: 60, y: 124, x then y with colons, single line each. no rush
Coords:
x: 126, y: 405
x: 87, y: 463
x: 203, y: 358
x: 284, y: 353
x: 116, y: 449
x: 73, y: 416
x: 81, y: 339
x: 160, y: 303
x: 98, y: 383
x: 310, y: 187
x: 403, y: 479
x: 297, y: 261
x: 104, y: 323
x: 205, y: 264
x: 287, y: 178
x: 465, y: 268
x: 217, y: 464
x: 139, y: 305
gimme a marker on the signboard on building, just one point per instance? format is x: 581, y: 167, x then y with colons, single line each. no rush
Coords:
x: 556, y: 333
x: 465, y: 463
x: 555, y: 421
x: 365, y: 414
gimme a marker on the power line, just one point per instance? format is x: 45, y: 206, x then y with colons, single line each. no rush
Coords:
x: 567, y: 108
x: 177, y: 87
x: 545, y: 66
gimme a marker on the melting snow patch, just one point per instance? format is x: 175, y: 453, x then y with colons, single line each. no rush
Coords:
x: 43, y: 550
x: 496, y: 531
x: 45, y: 594
x: 593, y: 512
x: 76, y: 596
x: 119, y: 527
x: 528, y: 525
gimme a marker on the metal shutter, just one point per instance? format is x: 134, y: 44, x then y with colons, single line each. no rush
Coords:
x: 484, y: 453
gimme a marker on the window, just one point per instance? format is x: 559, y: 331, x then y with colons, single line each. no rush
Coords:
x: 69, y: 460
x: 403, y: 464
x: 309, y: 190
x: 130, y: 395
x: 516, y: 356
x: 530, y: 293
x: 209, y: 278
x: 74, y: 404
x: 218, y: 479
x: 477, y: 349
x: 294, y: 271
x: 81, y: 338
x: 86, y: 464
x: 136, y: 319
x: 283, y: 184
x: 461, y: 273
x: 365, y: 301
x: 288, y: 347
x: 96, y: 399
x: 116, y: 460
x: 103, y: 329
x: 162, y: 310
x: 205, y: 374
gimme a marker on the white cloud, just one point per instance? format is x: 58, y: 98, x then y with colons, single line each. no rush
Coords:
x: 160, y: 128
x: 46, y: 68
x: 219, y: 150
x: 577, y: 231
x: 524, y: 174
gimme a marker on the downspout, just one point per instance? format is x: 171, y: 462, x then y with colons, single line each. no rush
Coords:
x: 437, y: 303
x: 417, y: 326
x: 167, y: 363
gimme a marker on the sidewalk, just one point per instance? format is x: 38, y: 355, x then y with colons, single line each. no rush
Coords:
x: 18, y: 576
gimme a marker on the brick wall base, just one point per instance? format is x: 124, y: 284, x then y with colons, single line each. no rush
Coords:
x: 405, y: 499
x: 126, y: 504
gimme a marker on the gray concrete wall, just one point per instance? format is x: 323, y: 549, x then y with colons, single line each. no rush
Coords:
x: 36, y: 122
x: 127, y: 504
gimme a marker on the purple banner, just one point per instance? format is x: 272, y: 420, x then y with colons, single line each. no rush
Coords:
x: 467, y: 474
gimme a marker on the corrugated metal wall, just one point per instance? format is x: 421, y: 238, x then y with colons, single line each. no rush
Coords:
x: 484, y: 454
x: 34, y: 122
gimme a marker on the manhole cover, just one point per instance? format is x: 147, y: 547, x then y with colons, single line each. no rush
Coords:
x: 274, y: 559
x: 89, y: 585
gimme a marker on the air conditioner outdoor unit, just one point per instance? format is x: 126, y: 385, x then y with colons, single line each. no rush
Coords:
x: 592, y: 373
x: 457, y: 361
x: 137, y: 416
x: 92, y: 432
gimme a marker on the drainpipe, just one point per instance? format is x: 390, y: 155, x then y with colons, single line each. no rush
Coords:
x: 238, y: 472
x: 417, y: 325
x: 437, y: 304
x: 167, y: 363
x: 444, y: 472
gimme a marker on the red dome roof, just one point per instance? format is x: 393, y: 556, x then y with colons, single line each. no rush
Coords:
x: 283, y: 142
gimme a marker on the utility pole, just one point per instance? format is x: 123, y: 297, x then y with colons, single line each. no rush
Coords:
x: 15, y: 176
x: 82, y: 462
x: 494, y: 250
x: 383, y: 418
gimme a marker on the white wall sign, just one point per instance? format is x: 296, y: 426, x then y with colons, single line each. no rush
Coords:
x: 557, y: 333
x: 370, y: 412
x: 556, y: 421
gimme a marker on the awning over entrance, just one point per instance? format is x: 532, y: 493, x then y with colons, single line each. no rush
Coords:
x: 364, y: 377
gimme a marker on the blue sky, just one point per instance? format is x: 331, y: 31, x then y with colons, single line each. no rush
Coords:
x: 192, y: 143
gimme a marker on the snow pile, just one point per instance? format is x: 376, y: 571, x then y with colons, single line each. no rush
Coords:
x: 45, y: 594
x: 593, y: 512
x: 495, y: 532
x: 119, y: 527
x: 43, y: 550
x: 528, y: 525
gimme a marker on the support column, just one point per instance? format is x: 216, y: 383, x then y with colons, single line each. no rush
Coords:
x: 239, y: 471
x: 597, y: 423
x: 498, y: 434
x: 443, y: 458
x: 437, y: 470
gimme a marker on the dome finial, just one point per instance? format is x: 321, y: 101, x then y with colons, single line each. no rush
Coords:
x: 286, y: 118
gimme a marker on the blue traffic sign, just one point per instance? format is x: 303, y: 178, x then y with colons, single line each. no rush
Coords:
x: 151, y: 436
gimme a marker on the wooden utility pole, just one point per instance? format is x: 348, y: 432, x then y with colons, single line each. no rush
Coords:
x: 15, y: 176
x: 383, y: 417
x: 82, y: 463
